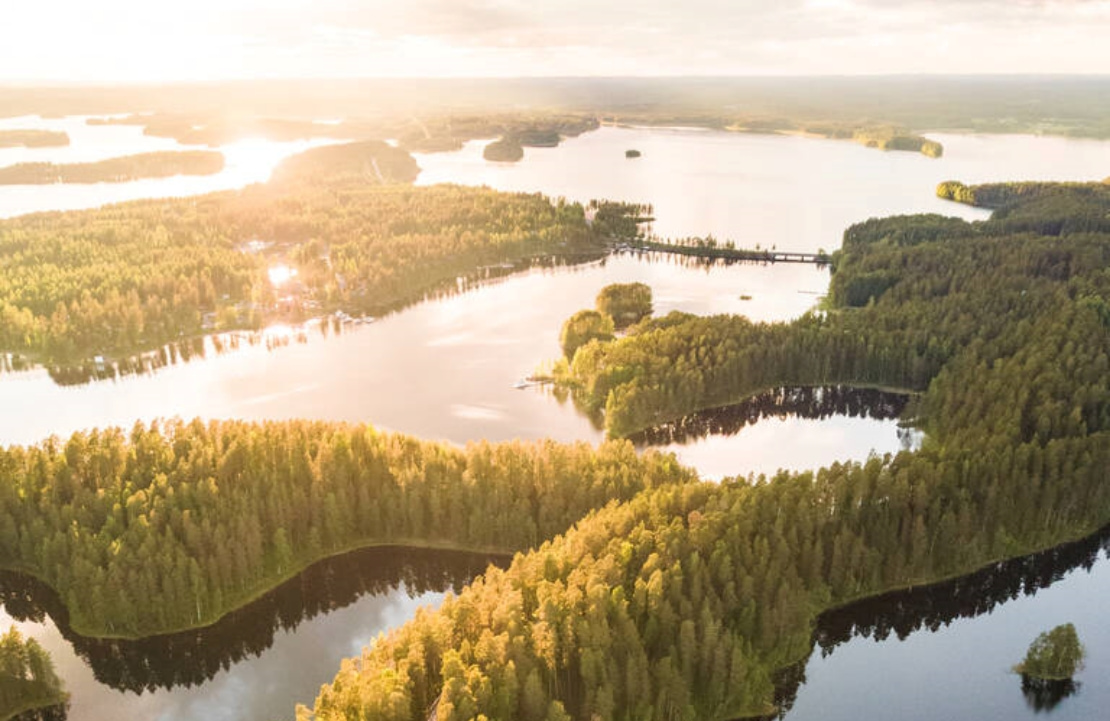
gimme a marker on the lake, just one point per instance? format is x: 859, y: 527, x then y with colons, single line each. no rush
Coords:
x: 246, y: 161
x: 445, y: 368
x: 792, y: 193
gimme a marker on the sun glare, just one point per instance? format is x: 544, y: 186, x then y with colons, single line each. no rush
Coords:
x: 281, y: 274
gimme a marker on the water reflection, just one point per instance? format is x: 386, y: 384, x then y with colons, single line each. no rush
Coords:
x: 811, y: 402
x: 300, y: 330
x: 932, y: 608
x: 825, y: 424
x: 50, y: 713
x: 1045, y: 696
x: 194, y: 657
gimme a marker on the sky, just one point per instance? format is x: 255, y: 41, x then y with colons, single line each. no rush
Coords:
x: 152, y: 40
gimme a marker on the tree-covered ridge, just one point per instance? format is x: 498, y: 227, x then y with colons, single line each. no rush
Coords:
x: 33, y: 139
x: 133, y: 276
x: 909, y: 296
x: 683, y: 602
x: 173, y: 525
x: 116, y: 170
x: 27, y: 678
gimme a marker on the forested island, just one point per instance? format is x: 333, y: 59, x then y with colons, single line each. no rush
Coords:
x: 686, y: 600
x: 131, y: 277
x: 116, y: 170
x: 1054, y: 656
x: 28, y: 682
x: 33, y: 139
x: 504, y: 150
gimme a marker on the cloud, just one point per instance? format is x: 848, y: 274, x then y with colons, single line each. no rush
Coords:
x: 565, y: 37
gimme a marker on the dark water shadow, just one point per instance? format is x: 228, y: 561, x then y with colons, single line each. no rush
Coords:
x: 191, y: 658
x: 1043, y: 696
x: 933, y: 607
x: 57, y: 712
x: 809, y: 402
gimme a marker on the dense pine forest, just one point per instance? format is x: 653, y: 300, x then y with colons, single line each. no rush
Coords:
x: 173, y: 525
x: 685, y: 601
x: 28, y: 682
x: 134, y: 276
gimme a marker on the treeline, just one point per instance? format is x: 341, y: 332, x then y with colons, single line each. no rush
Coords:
x: 116, y: 170
x: 131, y: 277
x: 889, y: 138
x: 909, y: 296
x: 424, y: 132
x: 173, y: 525
x: 33, y: 139
x: 684, y: 602
x: 28, y: 681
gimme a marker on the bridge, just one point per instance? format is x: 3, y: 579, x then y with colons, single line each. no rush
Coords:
x: 727, y: 253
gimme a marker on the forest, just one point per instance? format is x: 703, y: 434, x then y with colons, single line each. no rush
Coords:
x: 28, y: 682
x: 426, y: 133
x: 684, y: 602
x: 173, y: 525
x: 134, y: 276
x: 504, y: 150
x: 33, y: 139
x: 116, y: 170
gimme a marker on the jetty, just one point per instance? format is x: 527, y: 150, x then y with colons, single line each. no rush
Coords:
x: 729, y: 253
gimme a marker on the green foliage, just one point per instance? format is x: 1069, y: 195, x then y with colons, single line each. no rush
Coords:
x: 890, y: 138
x: 174, y: 524
x: 625, y: 303
x: 1055, y: 655
x: 583, y: 327
x: 683, y: 602
x: 957, y: 191
x: 505, y: 150
x: 27, y: 677
x: 134, y: 276
x: 369, y: 161
x: 619, y: 221
x: 116, y: 170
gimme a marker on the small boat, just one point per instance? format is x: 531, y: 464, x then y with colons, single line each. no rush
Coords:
x: 521, y: 384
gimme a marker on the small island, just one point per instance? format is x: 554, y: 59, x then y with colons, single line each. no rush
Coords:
x: 505, y: 150
x: 33, y: 139
x: 116, y: 170
x: 1055, y: 656
x: 632, y: 153
x: 625, y: 303
x: 28, y: 682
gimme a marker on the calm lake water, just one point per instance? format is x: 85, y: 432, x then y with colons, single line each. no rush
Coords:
x: 246, y: 162
x: 445, y: 369
x: 946, y: 653
x: 790, y: 192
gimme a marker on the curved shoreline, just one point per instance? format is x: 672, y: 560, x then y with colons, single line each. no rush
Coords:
x: 258, y: 594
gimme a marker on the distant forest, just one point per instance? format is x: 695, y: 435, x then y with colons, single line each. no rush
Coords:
x: 33, y: 139
x: 1073, y: 106
x: 116, y: 170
